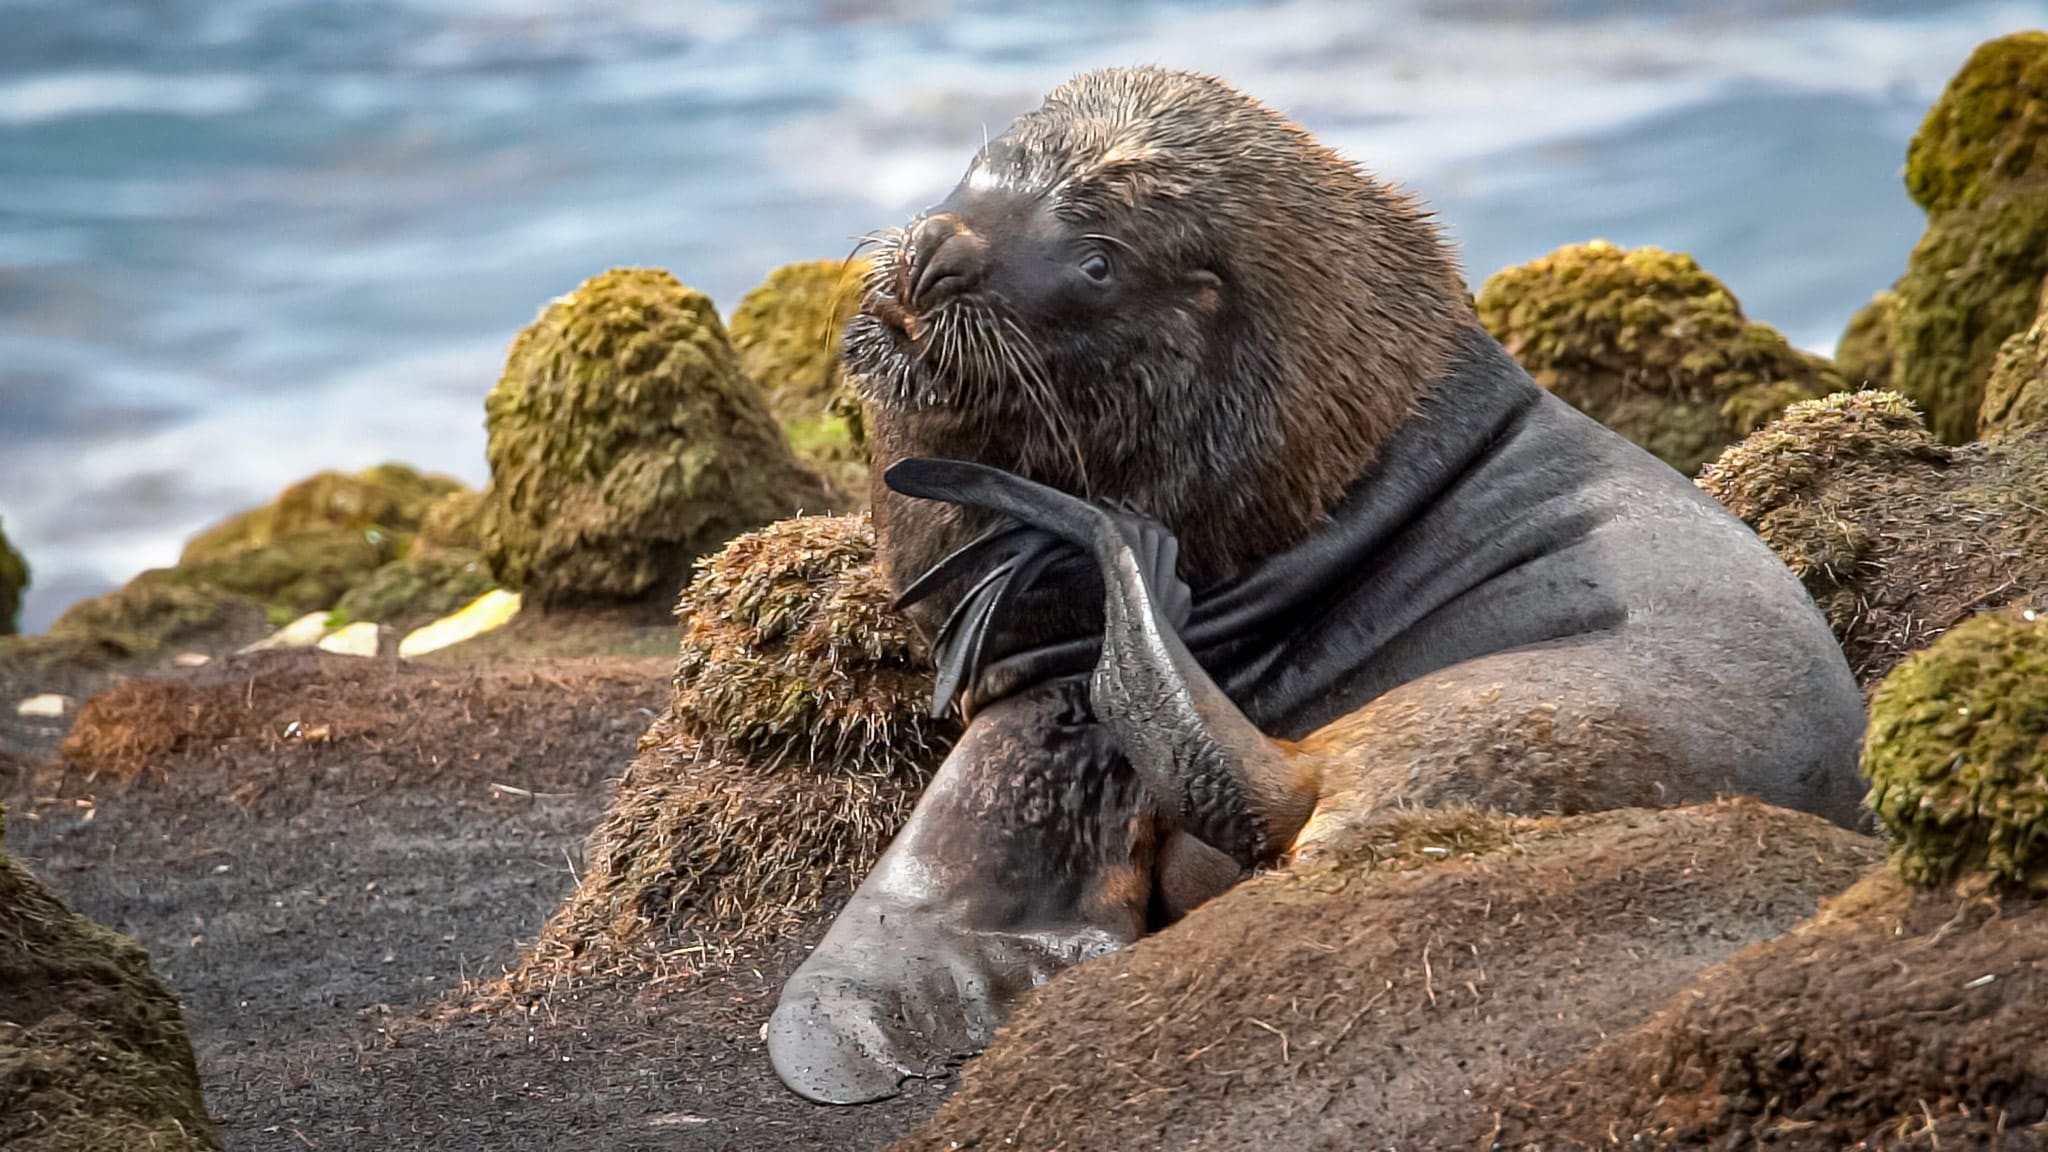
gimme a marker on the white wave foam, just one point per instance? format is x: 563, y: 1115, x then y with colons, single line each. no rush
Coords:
x: 65, y: 95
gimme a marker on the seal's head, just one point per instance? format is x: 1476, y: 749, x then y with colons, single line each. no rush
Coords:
x: 1155, y: 290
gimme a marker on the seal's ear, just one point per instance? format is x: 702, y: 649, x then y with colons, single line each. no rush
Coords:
x: 1206, y: 288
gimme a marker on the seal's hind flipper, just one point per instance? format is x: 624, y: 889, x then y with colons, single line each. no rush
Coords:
x: 959, y: 651
x: 962, y: 560
x: 980, y: 486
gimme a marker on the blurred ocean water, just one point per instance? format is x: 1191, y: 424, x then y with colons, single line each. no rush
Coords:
x: 242, y: 240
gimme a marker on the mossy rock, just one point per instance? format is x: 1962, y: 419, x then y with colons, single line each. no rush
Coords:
x: 1864, y: 354
x: 158, y: 610
x: 1957, y: 753
x: 1979, y: 166
x: 1896, y: 535
x: 1650, y: 345
x: 455, y: 521
x: 420, y: 588
x: 13, y: 580
x: 298, y: 574
x: 796, y: 744
x: 388, y: 500
x: 2016, y: 395
x: 94, y: 1053
x: 787, y: 333
x: 625, y: 442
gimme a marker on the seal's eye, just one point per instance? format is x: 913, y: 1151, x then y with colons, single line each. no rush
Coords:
x: 1095, y: 266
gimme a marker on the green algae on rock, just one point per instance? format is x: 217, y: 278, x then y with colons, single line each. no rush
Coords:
x: 1957, y: 753
x: 422, y: 587
x: 1650, y: 345
x: 13, y: 579
x: 624, y: 443
x: 455, y: 521
x: 94, y: 1053
x: 796, y: 744
x: 787, y: 333
x: 1896, y: 535
x: 159, y: 609
x: 1979, y: 167
x: 2016, y: 394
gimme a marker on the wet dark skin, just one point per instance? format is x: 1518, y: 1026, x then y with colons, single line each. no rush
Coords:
x: 1506, y: 605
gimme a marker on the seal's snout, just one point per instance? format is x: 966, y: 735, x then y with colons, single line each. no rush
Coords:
x: 949, y: 260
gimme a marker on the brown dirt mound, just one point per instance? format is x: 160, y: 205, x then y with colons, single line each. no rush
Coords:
x: 279, y: 714
x: 795, y: 745
x: 1898, y: 537
x: 94, y: 1056
x: 1362, y: 1003
x: 1894, y: 1019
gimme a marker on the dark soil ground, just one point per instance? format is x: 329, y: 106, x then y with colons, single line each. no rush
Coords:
x: 316, y: 900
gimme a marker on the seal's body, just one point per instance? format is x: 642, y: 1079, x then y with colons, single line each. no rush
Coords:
x: 1496, y: 601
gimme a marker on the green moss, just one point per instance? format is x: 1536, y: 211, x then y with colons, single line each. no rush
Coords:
x: 624, y: 442
x: 455, y: 521
x: 787, y: 333
x: 1974, y: 279
x: 1986, y: 131
x: 1647, y: 343
x: 1864, y: 354
x: 157, y: 610
x: 2016, y: 394
x: 420, y: 588
x: 298, y: 574
x: 94, y: 1053
x: 13, y: 578
x: 1957, y: 754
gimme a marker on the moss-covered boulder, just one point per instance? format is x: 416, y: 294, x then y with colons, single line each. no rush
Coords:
x: 2016, y: 394
x: 1863, y: 356
x: 422, y: 587
x: 1650, y: 345
x: 162, y: 609
x: 1957, y: 753
x: 454, y: 522
x: 795, y: 746
x: 1979, y: 166
x: 94, y: 1055
x: 787, y: 333
x: 13, y: 579
x: 319, y: 538
x: 625, y: 442
x: 1897, y: 536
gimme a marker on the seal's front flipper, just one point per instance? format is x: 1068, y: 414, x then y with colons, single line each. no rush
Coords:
x: 1230, y: 784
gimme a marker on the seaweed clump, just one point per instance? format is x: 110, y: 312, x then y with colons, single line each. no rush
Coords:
x: 1957, y: 754
x: 1650, y: 345
x: 624, y: 442
x: 13, y: 579
x: 1896, y: 535
x: 94, y: 1053
x: 795, y: 745
x: 787, y: 333
x: 1979, y: 167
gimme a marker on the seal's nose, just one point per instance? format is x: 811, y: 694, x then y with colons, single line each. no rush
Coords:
x: 950, y: 260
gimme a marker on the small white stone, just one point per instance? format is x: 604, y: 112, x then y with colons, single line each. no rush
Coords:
x: 491, y: 610
x: 304, y: 632
x: 357, y: 639
x: 191, y: 660
x: 48, y: 706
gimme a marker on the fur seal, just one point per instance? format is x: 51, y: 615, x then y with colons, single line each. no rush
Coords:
x: 1235, y: 529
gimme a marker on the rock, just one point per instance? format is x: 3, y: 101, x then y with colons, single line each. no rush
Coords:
x: 363, y: 638
x: 1957, y: 753
x: 410, y: 592
x: 303, y: 632
x: 13, y: 579
x: 2016, y: 394
x: 1375, y: 1001
x: 1646, y: 343
x: 1896, y: 1018
x: 624, y: 442
x: 1979, y: 166
x: 452, y: 523
x: 318, y: 539
x: 48, y: 706
x: 492, y: 610
x: 1897, y: 536
x: 1864, y: 354
x: 796, y: 744
x: 161, y: 608
x: 191, y: 660
x: 787, y: 333
x: 94, y: 1053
